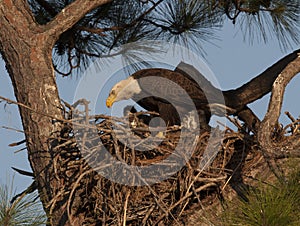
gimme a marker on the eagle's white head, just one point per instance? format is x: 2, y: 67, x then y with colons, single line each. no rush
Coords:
x: 123, y: 90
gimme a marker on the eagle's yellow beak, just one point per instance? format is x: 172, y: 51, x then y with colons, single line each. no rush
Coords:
x: 110, y: 100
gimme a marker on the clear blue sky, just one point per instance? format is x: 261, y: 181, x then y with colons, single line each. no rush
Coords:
x: 233, y: 62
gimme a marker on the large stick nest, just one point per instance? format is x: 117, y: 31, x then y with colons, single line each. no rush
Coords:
x: 96, y: 149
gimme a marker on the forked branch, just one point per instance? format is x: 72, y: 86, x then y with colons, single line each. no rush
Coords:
x: 271, y: 118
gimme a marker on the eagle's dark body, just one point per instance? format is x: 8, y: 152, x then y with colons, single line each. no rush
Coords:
x: 170, y: 107
x: 173, y: 94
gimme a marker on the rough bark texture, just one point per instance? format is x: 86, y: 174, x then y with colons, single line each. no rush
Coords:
x: 270, y: 120
x: 258, y: 86
x: 26, y: 48
x: 27, y: 55
x: 254, y: 90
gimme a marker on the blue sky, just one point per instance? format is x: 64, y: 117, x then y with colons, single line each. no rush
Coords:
x: 233, y: 62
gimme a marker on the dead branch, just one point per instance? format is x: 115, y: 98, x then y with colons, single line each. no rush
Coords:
x: 270, y: 121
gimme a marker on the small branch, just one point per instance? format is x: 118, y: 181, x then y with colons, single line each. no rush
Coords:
x: 31, y: 109
x: 54, y: 118
x: 23, y: 172
x: 27, y: 191
x: 290, y: 116
x: 17, y: 143
x: 125, y: 207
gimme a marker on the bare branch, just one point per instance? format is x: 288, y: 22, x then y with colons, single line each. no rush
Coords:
x: 271, y: 118
x: 31, y: 109
x: 258, y: 86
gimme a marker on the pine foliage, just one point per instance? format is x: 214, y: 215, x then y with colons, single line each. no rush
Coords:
x: 103, y: 32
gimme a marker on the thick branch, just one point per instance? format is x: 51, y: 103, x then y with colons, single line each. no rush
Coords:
x: 258, y: 86
x: 71, y: 15
x: 271, y: 118
x: 236, y: 100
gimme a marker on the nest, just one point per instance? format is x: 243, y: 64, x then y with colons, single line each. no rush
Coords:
x: 129, y: 174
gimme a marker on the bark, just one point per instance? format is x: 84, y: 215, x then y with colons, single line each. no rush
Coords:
x: 255, y: 89
x: 258, y: 86
x: 270, y: 120
x: 26, y: 48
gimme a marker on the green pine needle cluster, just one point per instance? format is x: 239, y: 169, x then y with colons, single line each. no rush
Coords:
x: 25, y: 210
x: 105, y: 30
x: 276, y: 205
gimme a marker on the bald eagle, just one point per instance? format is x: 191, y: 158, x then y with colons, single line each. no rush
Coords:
x: 172, y: 94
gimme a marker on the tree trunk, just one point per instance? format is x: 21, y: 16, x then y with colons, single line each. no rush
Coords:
x: 26, y: 48
x: 28, y: 61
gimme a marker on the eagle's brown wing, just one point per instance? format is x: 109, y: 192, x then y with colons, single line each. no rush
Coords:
x: 171, y: 86
x: 172, y: 92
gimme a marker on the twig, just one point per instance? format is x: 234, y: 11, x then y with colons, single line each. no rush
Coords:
x: 125, y: 207
x: 184, y: 198
x: 27, y: 191
x: 288, y: 114
x: 23, y: 172
x: 17, y: 143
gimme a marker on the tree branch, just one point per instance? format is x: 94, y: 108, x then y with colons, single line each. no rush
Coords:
x: 100, y: 31
x: 71, y: 15
x: 271, y: 118
x: 258, y: 86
